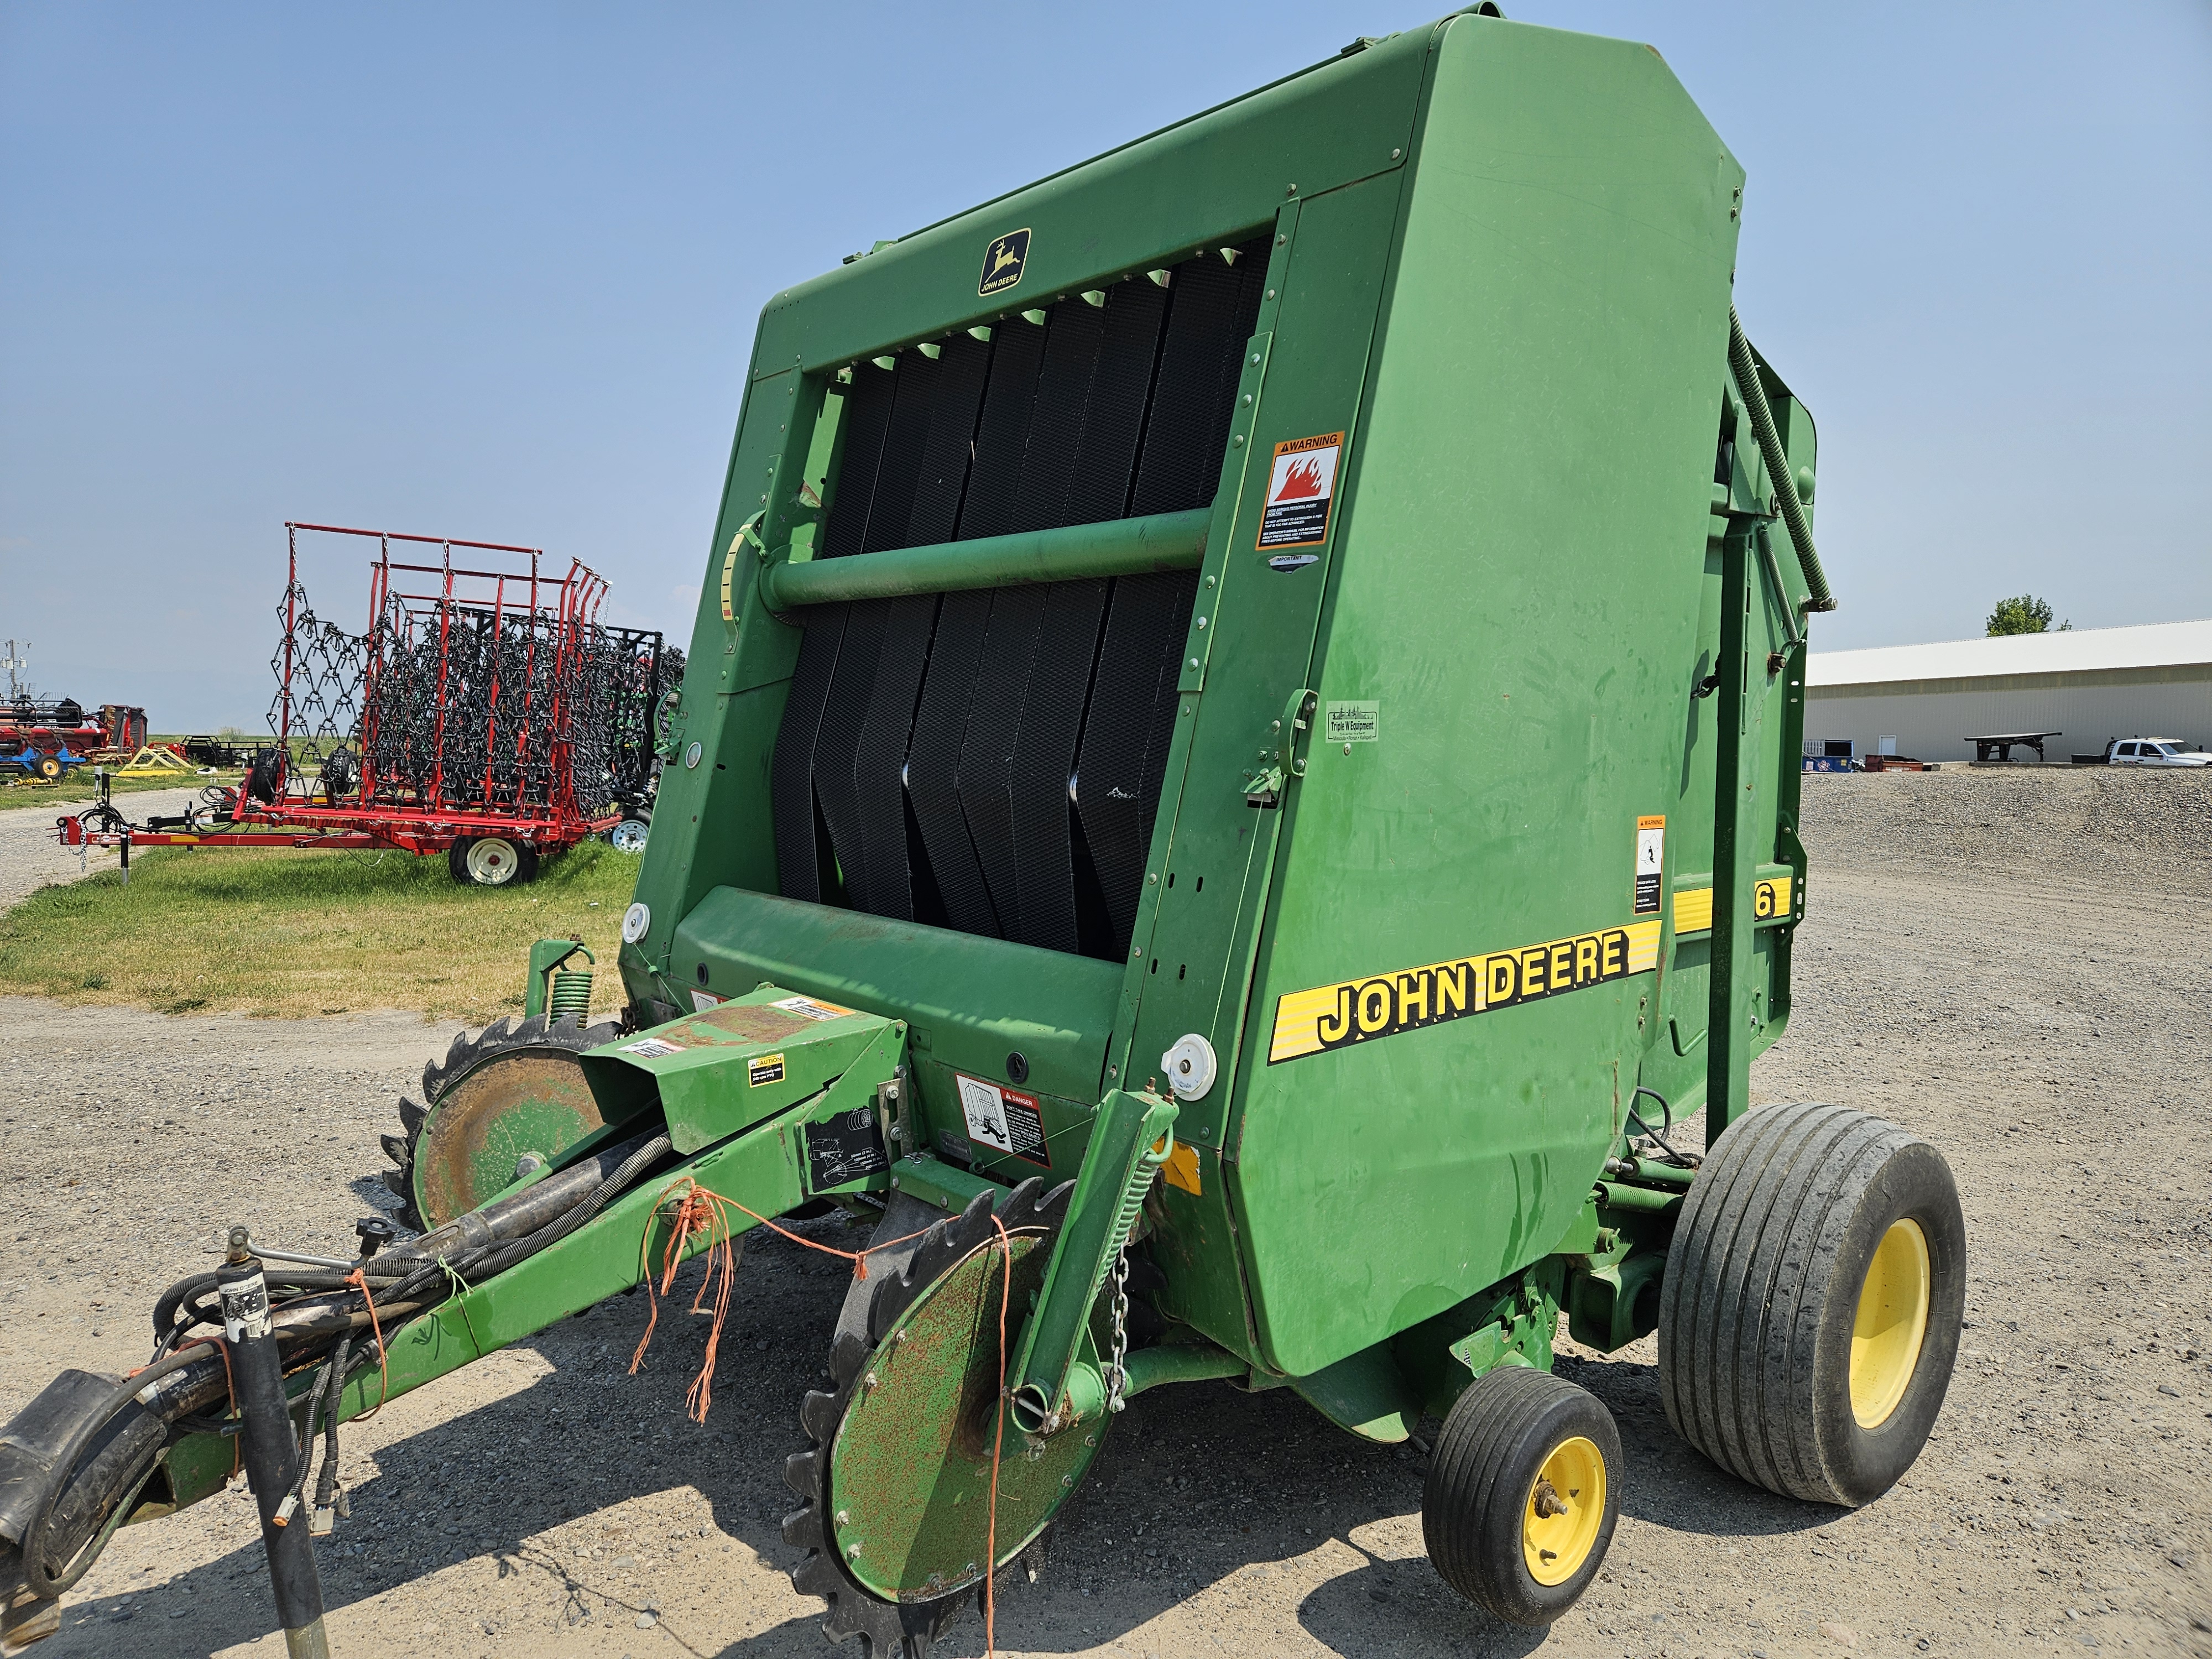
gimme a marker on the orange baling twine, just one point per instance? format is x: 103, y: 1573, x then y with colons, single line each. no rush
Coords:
x: 700, y: 1214
x: 998, y: 1440
x: 359, y: 1280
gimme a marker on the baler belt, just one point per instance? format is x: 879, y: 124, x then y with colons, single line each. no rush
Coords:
x: 947, y: 740
x: 879, y: 760
x: 933, y: 765
x: 987, y: 755
x: 791, y: 771
x: 1125, y: 746
x: 837, y: 748
x: 961, y: 374
x: 1002, y: 432
x: 1044, y: 760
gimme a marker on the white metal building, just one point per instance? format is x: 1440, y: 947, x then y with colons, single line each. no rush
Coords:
x: 2092, y: 684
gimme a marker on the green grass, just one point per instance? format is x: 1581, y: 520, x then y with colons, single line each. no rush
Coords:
x: 291, y: 935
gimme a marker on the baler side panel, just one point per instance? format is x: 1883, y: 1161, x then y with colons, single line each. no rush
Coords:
x: 1254, y: 651
x: 1519, y: 593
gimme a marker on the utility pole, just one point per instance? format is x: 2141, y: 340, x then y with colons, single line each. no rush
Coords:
x: 14, y: 663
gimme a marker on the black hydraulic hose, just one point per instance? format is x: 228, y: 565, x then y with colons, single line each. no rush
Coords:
x: 1778, y: 463
x: 36, y: 1579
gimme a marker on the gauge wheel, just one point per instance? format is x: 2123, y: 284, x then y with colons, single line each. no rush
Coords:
x: 491, y: 861
x: 1523, y: 1494
x: 628, y: 836
x: 49, y: 768
x: 1814, y: 1292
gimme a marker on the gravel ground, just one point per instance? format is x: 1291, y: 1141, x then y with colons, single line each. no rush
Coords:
x: 1996, y: 961
x: 31, y: 857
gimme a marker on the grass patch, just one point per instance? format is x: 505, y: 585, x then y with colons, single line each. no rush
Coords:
x: 290, y: 935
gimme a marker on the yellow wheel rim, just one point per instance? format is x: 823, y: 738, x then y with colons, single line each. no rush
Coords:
x: 1564, y: 1508
x: 1892, y: 1323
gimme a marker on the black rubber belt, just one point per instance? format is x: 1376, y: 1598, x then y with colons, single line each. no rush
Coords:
x: 792, y: 772
x: 933, y: 763
x: 1098, y: 487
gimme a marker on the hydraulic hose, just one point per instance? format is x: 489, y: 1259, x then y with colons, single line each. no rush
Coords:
x: 42, y: 1584
x: 1763, y: 429
x: 177, y: 1384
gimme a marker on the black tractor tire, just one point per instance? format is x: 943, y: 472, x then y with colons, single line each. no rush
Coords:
x: 1487, y: 1506
x: 469, y: 873
x: 1810, y: 1314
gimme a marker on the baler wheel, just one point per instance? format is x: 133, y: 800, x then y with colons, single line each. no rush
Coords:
x: 1811, y: 1311
x: 903, y: 1629
x: 1523, y: 1494
x: 511, y: 1091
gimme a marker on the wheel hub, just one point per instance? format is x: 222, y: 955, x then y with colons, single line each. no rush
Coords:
x: 1565, y: 1507
x: 1892, y: 1323
x: 512, y: 1107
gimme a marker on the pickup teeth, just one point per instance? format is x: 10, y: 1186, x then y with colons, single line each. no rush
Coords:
x: 889, y: 1630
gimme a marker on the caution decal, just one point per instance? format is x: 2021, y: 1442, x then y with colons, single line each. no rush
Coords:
x: 1361, y: 1010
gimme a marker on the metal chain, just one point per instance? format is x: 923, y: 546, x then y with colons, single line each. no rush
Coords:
x: 1117, y: 1374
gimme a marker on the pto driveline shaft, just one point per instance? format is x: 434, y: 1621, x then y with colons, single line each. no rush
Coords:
x: 271, y: 1458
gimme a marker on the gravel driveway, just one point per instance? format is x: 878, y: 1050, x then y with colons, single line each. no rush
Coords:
x: 31, y: 857
x: 2014, y: 965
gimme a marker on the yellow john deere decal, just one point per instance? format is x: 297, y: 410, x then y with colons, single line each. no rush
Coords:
x: 1002, y: 262
x: 1357, y: 1010
x: 1693, y: 906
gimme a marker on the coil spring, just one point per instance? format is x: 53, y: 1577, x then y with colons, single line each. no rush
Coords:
x: 572, y: 994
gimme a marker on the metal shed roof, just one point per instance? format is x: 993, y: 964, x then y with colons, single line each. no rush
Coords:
x: 2082, y: 650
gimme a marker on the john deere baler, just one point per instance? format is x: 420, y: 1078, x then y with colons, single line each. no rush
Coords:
x: 1236, y: 784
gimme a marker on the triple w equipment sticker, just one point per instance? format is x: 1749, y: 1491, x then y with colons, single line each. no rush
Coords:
x: 1300, y: 487
x: 1357, y: 1009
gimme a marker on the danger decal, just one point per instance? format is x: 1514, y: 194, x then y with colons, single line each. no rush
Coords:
x: 1300, y: 487
x: 1004, y: 1119
x: 1383, y: 1004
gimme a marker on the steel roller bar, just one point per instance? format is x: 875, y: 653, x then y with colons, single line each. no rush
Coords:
x: 1118, y: 547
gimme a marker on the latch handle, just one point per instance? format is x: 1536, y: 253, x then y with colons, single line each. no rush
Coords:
x: 1285, y: 757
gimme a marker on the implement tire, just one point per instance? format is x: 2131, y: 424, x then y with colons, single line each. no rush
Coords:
x: 1523, y: 1494
x: 1811, y: 1311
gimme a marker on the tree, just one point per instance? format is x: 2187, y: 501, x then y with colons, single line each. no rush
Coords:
x: 2024, y: 614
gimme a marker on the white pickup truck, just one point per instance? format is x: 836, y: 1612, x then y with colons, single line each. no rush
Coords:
x: 2154, y: 751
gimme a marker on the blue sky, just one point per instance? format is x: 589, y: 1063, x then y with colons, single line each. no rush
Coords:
x: 492, y: 271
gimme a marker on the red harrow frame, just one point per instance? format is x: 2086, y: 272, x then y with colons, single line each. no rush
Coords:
x: 472, y: 719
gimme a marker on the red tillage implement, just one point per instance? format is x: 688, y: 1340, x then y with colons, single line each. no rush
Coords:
x: 486, y: 713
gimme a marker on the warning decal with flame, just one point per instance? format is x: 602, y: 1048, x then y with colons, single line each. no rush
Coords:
x: 1300, y: 490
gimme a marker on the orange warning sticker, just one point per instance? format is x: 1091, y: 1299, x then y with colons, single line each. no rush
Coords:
x: 1300, y: 487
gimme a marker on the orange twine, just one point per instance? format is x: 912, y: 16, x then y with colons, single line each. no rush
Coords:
x: 701, y: 1213
x: 998, y: 1440
x: 359, y: 1280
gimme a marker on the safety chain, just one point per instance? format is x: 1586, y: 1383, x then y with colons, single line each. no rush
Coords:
x: 1117, y: 1373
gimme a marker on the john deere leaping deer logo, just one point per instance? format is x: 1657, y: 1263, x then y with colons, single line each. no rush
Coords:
x: 1002, y: 262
